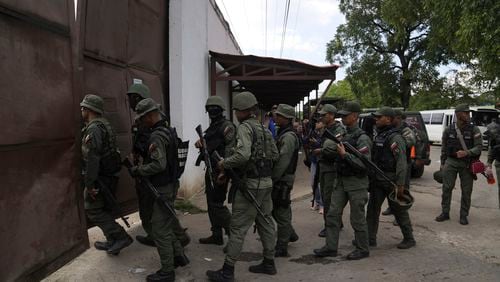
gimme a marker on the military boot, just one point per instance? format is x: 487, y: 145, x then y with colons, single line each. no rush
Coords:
x: 293, y: 237
x: 388, y: 211
x: 161, y: 276
x: 281, y: 251
x: 215, y: 239
x: 463, y: 220
x: 225, y: 274
x: 443, y: 216
x: 357, y: 254
x: 266, y: 266
x: 322, y: 233
x: 324, y: 252
x: 103, y: 245
x: 407, y: 243
x: 181, y: 260
x: 145, y: 240
x: 120, y: 244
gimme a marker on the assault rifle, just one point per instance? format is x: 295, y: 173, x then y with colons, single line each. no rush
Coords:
x: 147, y: 183
x: 206, y: 155
x: 111, y: 200
x: 238, y: 182
x: 328, y: 134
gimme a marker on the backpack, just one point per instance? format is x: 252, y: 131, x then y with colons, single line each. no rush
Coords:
x: 177, y: 152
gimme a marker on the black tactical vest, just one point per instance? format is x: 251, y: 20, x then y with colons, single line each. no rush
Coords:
x: 343, y: 167
x: 453, y: 143
x: 382, y: 152
x: 292, y: 166
x: 166, y: 176
x: 140, y: 139
x: 214, y: 136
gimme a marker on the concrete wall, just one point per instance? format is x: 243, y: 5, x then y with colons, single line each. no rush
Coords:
x: 195, y: 27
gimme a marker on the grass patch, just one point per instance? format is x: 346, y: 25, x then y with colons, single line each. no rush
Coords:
x: 186, y: 206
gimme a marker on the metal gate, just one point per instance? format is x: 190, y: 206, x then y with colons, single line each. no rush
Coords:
x: 48, y: 61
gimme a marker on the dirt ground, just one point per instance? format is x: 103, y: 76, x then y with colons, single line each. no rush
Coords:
x: 444, y: 251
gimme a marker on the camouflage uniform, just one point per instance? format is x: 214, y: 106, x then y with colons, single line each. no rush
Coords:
x: 99, y: 151
x: 283, y: 177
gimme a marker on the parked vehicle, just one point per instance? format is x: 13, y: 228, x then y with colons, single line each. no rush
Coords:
x: 419, y: 159
x: 436, y: 121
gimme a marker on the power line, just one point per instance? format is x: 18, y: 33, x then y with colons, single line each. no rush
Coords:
x: 228, y: 17
x: 296, y: 20
x: 275, y: 21
x: 285, y: 22
x: 266, y: 30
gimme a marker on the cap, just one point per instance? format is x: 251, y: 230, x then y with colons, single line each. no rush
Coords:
x: 385, y: 111
x: 350, y: 107
x: 286, y: 111
x: 328, y: 108
x: 462, y: 108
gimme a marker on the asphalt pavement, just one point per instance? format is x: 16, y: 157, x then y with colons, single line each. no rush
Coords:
x: 444, y: 251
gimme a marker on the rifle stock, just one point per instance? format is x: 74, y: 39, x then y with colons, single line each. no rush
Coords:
x: 206, y: 155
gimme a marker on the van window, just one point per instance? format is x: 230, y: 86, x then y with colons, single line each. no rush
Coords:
x: 427, y: 118
x: 437, y: 118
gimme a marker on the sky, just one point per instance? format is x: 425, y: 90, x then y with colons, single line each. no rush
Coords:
x: 311, y: 25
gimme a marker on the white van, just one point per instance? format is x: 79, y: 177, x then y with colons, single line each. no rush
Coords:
x: 436, y: 121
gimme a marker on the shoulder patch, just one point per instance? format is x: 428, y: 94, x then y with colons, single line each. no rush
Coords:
x: 152, y: 147
x: 364, y: 150
x: 394, y: 146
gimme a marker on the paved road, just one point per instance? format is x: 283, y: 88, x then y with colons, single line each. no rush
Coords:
x: 445, y: 251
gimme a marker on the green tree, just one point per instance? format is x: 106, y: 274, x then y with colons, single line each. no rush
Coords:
x: 468, y: 32
x: 388, y: 33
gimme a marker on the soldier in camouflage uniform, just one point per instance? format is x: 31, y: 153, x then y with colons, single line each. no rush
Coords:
x: 101, y: 165
x: 253, y: 157
x: 221, y: 137
x: 410, y: 140
x: 327, y: 155
x: 140, y: 136
x: 157, y: 167
x: 351, y: 187
x: 283, y: 177
x: 389, y: 154
x: 455, y: 159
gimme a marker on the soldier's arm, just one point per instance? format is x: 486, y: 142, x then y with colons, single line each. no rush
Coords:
x: 398, y: 148
x: 478, y: 143
x: 229, y: 140
x: 158, y: 155
x: 409, y: 137
x: 243, y: 149
x: 94, y: 143
x: 274, y: 149
x: 444, y: 141
x: 363, y: 145
x: 286, y: 151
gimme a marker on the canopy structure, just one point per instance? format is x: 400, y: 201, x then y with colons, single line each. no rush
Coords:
x: 272, y: 80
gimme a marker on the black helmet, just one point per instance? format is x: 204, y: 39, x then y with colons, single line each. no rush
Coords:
x: 403, y: 205
x: 438, y: 176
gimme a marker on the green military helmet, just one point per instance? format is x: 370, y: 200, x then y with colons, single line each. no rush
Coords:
x: 286, y: 111
x: 403, y: 205
x: 146, y: 106
x: 438, y: 176
x: 139, y: 89
x: 244, y: 101
x: 94, y: 103
x: 215, y: 101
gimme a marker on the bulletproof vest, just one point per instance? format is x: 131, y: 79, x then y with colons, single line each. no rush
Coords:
x: 140, y: 138
x: 453, y: 144
x: 169, y: 175
x: 260, y: 163
x: 382, y: 152
x: 110, y: 162
x: 292, y: 166
x: 343, y: 167
x: 214, y: 136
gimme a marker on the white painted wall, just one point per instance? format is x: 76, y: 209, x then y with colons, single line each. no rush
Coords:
x: 194, y: 28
